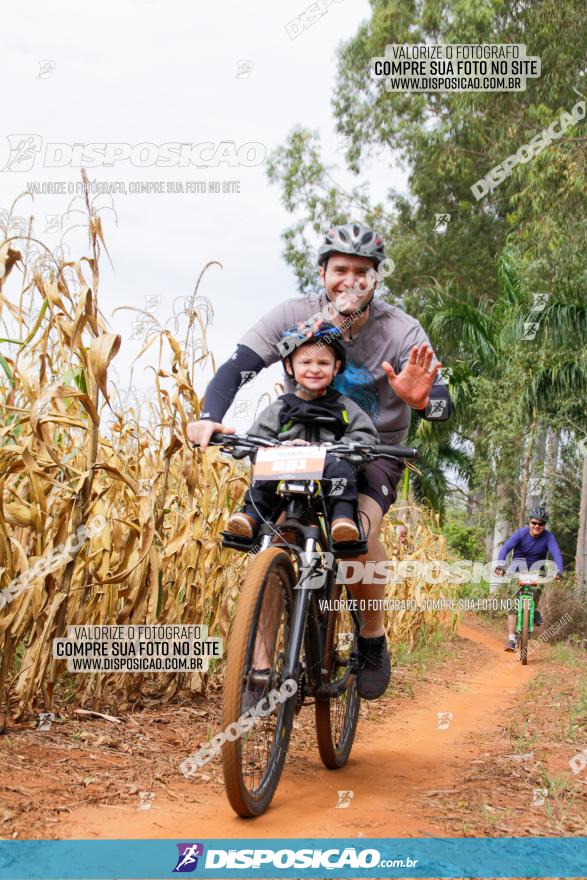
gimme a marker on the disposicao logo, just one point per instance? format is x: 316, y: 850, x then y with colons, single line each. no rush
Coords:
x: 187, y: 860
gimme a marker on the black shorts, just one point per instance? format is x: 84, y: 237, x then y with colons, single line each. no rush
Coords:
x: 379, y: 481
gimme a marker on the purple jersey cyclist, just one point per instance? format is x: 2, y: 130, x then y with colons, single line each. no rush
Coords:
x: 529, y: 545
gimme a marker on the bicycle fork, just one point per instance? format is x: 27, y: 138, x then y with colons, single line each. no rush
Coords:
x: 302, y: 597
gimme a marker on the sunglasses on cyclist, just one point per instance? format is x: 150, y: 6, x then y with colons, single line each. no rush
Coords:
x: 534, y: 522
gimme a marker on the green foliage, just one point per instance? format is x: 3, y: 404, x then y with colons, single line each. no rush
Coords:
x: 472, y: 286
x: 463, y: 539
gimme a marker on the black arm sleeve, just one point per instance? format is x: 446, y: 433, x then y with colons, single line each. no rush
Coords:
x: 439, y: 406
x: 240, y: 368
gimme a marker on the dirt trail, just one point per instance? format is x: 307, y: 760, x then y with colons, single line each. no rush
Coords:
x: 395, y: 765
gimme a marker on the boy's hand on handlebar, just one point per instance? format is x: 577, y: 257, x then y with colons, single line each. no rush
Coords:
x: 297, y: 442
x: 199, y: 433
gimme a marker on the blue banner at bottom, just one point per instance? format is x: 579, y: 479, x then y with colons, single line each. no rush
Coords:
x: 468, y: 857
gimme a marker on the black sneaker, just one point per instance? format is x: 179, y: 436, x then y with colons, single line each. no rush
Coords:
x: 510, y: 645
x: 538, y: 621
x: 375, y: 668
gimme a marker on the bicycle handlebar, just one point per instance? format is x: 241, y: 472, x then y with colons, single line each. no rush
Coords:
x: 397, y: 451
x: 362, y: 449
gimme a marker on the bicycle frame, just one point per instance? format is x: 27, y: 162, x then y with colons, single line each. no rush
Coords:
x: 308, y: 626
x: 306, y: 515
x: 526, y: 591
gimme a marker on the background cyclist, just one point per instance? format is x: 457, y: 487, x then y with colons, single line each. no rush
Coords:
x: 529, y: 544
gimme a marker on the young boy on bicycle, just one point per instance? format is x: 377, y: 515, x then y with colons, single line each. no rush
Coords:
x: 316, y: 357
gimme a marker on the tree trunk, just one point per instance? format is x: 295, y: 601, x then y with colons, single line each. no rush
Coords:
x: 526, y: 473
x: 501, y: 529
x: 475, y: 499
x: 581, y: 557
x: 551, y: 465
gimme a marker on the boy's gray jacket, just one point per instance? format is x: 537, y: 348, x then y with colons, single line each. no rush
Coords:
x: 360, y: 428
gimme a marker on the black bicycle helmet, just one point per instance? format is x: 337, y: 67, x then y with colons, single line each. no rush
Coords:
x: 326, y: 334
x: 352, y: 238
x: 539, y: 513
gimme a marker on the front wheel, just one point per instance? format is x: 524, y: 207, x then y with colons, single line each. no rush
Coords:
x: 254, y: 753
x: 525, y: 630
x: 336, y: 718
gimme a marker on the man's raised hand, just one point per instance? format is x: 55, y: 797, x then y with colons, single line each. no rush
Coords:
x: 413, y: 383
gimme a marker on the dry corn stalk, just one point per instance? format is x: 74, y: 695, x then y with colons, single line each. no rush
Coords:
x: 62, y: 462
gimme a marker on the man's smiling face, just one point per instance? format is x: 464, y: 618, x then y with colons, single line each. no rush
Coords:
x: 347, y: 282
x: 536, y: 527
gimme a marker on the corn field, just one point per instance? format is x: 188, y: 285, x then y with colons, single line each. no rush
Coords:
x: 72, y: 449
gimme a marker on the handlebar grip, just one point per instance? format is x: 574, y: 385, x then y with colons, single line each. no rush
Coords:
x: 215, y: 440
x: 397, y: 451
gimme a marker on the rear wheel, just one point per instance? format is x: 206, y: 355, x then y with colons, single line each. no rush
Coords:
x: 257, y: 648
x: 336, y: 718
x: 525, y: 629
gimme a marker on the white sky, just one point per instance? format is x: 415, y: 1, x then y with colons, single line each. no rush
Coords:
x: 148, y: 71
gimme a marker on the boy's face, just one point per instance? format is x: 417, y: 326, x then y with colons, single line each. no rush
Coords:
x: 314, y: 365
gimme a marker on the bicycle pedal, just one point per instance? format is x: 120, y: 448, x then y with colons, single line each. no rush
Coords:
x: 233, y: 542
x: 344, y: 549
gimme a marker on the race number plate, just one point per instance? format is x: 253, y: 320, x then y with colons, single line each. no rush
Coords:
x: 292, y: 462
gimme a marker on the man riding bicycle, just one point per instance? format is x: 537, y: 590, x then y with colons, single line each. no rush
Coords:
x: 530, y: 545
x: 390, y: 370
